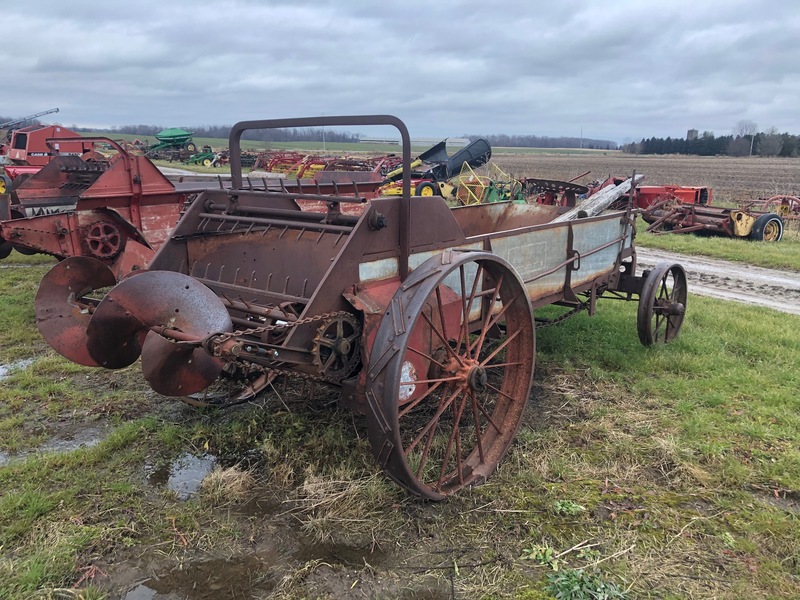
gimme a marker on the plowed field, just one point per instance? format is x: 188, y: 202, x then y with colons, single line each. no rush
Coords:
x: 732, y: 179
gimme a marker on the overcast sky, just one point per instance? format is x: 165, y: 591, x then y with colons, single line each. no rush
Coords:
x: 614, y: 69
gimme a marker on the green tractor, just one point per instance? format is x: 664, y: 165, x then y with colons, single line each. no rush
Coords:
x: 205, y: 157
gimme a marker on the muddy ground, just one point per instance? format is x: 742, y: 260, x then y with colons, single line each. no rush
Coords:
x: 779, y: 290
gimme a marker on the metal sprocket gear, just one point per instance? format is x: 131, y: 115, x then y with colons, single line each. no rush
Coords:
x: 337, y: 347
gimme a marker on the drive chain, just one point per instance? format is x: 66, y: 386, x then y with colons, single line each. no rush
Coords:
x: 562, y: 318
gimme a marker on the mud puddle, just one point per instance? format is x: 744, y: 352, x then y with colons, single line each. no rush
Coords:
x: 184, y: 475
x: 281, y: 555
x: 68, y: 440
x: 238, y: 577
x: 17, y: 365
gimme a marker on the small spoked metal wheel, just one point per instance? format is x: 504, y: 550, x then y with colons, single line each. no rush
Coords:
x: 104, y: 239
x: 662, y: 304
x: 450, y: 373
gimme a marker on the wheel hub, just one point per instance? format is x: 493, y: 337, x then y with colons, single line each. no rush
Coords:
x: 676, y: 308
x: 477, y: 378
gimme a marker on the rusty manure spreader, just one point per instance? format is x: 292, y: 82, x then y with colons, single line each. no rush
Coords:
x: 420, y: 313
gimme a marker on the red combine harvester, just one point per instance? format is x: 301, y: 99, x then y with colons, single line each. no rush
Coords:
x: 24, y: 150
x: 28, y: 145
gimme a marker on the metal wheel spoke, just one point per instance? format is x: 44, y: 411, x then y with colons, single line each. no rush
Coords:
x: 498, y: 365
x: 476, y: 348
x: 410, y: 406
x: 497, y: 350
x: 502, y: 393
x: 423, y: 459
x: 455, y: 436
x: 478, y: 408
x: 426, y: 356
x: 467, y: 304
x: 443, y: 404
x: 442, y: 339
x: 437, y: 380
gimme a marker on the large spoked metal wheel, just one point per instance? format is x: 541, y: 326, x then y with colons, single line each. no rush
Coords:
x: 662, y: 304
x: 450, y: 373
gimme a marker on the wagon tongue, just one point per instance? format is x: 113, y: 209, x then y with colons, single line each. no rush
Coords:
x: 63, y: 308
x: 163, y: 316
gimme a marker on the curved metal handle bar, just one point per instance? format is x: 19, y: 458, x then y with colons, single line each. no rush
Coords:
x: 234, y: 145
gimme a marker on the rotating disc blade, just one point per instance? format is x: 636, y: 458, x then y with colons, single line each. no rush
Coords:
x: 62, y: 315
x: 175, y: 370
x: 117, y: 330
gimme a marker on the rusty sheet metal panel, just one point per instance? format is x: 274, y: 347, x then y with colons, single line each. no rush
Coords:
x: 590, y: 235
x: 276, y: 264
x: 533, y: 253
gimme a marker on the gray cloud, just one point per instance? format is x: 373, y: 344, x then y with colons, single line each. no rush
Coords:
x: 624, y: 69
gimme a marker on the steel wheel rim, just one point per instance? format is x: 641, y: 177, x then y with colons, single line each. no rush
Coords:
x: 664, y: 300
x: 772, y: 231
x: 454, y: 431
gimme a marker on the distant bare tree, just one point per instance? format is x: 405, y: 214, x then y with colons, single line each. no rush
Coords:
x: 745, y: 128
x: 748, y: 129
x: 770, y: 143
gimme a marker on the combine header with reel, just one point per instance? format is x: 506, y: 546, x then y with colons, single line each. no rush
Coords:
x: 421, y: 314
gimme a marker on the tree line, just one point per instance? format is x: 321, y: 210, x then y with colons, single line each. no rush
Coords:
x: 535, y: 141
x: 223, y: 131
x: 766, y: 143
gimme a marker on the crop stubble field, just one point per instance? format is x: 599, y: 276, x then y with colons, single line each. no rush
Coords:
x: 669, y: 472
x: 733, y: 179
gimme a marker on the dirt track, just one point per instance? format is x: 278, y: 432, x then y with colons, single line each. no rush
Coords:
x: 775, y: 289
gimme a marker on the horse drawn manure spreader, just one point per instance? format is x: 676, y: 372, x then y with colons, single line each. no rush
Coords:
x: 422, y: 314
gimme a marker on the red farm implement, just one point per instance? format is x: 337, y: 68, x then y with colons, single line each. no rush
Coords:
x: 421, y: 314
x: 118, y: 211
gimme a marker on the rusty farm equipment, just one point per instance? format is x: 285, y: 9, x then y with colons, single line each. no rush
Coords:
x: 687, y: 209
x: 675, y: 216
x: 118, y: 211
x: 421, y: 314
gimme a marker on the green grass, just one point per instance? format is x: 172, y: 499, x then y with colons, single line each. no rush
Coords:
x: 781, y: 255
x: 666, y: 472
